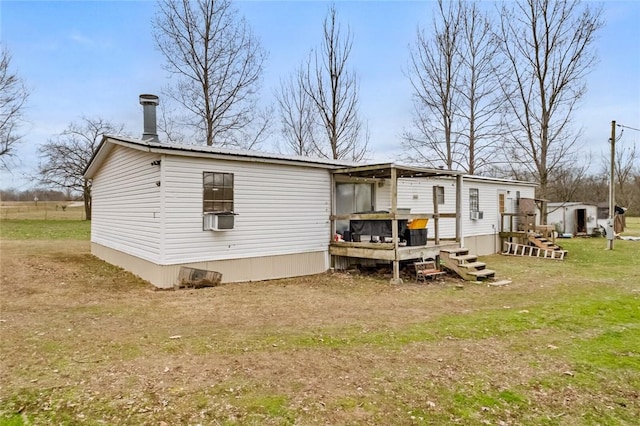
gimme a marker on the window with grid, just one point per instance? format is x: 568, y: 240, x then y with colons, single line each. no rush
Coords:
x: 474, y: 200
x: 217, y: 192
x: 439, y: 190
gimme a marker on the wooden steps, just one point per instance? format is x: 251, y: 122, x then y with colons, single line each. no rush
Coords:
x: 483, y: 273
x: 473, y: 265
x: 465, y: 265
x: 541, y: 242
x: 467, y: 258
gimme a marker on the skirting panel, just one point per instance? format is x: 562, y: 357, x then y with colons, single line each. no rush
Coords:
x: 483, y: 245
x: 233, y: 270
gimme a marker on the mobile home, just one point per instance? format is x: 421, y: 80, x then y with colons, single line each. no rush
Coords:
x: 159, y: 207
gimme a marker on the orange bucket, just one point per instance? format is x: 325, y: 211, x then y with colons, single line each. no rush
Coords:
x: 417, y: 224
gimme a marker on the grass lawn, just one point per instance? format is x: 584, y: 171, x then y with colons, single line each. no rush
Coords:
x: 84, y: 342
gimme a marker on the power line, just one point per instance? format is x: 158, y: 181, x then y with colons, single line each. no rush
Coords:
x: 627, y: 127
x: 619, y: 136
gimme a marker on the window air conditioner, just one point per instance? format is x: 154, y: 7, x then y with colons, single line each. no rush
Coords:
x: 475, y: 215
x: 218, y: 222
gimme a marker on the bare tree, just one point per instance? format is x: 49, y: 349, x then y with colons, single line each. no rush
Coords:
x: 296, y: 112
x: 333, y: 90
x: 593, y: 188
x: 217, y: 62
x: 167, y: 125
x: 634, y: 209
x: 65, y: 156
x: 548, y: 47
x: 433, y: 72
x: 566, y: 182
x: 454, y: 74
x: 627, y: 169
x: 480, y: 100
x: 257, y: 130
x: 13, y: 96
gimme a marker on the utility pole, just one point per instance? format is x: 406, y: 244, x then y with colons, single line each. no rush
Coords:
x: 611, y: 229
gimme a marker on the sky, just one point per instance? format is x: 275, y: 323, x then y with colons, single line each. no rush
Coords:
x: 94, y: 58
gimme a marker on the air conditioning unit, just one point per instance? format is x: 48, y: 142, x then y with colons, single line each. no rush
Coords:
x: 218, y: 222
x: 475, y: 215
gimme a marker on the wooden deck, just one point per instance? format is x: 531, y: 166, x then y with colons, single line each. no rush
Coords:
x: 385, y: 251
x: 381, y: 175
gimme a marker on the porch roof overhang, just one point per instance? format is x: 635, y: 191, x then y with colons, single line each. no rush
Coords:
x: 384, y: 171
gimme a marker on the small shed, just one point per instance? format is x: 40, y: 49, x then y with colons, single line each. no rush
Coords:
x: 573, y: 217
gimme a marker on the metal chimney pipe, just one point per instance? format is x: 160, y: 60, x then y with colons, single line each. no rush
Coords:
x: 149, y: 104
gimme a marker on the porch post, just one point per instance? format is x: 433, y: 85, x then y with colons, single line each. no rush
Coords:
x: 436, y: 216
x: 332, y: 223
x: 459, y: 236
x: 394, y: 226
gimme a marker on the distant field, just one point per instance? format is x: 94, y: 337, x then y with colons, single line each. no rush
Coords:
x: 633, y: 226
x: 43, y: 210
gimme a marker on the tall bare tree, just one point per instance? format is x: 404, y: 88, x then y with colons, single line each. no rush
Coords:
x: 480, y: 100
x: 454, y: 73
x: 433, y: 72
x: 64, y: 157
x: 548, y: 45
x: 13, y: 97
x: 217, y: 63
x: 333, y: 90
x: 297, y: 115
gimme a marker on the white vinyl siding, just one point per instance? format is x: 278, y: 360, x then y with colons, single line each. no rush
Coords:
x: 126, y: 203
x: 488, y: 193
x: 281, y: 209
x: 382, y: 196
x: 417, y: 194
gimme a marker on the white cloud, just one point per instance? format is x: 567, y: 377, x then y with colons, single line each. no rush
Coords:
x: 81, y: 39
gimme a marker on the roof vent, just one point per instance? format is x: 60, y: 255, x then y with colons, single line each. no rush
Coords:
x: 149, y: 104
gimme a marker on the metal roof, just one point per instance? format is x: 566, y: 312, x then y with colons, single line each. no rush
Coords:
x: 570, y: 204
x: 499, y: 180
x: 108, y: 141
x: 383, y: 171
x: 338, y: 167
